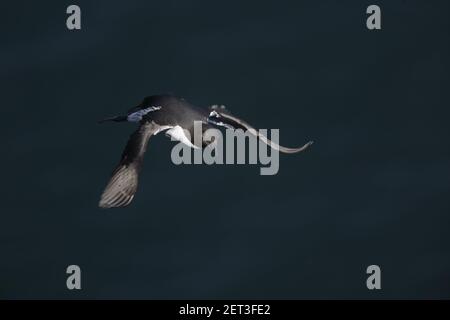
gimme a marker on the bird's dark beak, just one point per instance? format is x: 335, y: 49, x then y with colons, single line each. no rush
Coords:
x: 116, y: 119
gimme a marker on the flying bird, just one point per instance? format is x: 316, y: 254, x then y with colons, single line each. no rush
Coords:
x: 174, y: 116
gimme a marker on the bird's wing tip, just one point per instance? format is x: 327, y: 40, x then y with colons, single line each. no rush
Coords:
x: 104, y: 204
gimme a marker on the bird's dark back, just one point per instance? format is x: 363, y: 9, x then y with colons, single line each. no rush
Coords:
x: 174, y: 110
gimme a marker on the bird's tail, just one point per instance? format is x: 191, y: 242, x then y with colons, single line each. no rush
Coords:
x: 116, y: 119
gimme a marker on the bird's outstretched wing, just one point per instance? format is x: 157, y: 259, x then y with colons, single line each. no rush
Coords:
x: 220, y: 116
x: 122, y: 185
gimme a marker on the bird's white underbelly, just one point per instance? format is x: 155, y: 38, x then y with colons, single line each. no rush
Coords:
x: 177, y: 133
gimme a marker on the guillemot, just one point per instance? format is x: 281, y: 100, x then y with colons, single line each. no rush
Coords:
x: 176, y: 117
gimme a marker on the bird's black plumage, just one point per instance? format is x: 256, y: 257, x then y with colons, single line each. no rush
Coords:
x: 124, y: 180
x: 174, y: 111
x: 175, y: 116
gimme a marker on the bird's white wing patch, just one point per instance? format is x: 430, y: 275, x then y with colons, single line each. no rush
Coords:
x: 177, y: 133
x: 137, y: 115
